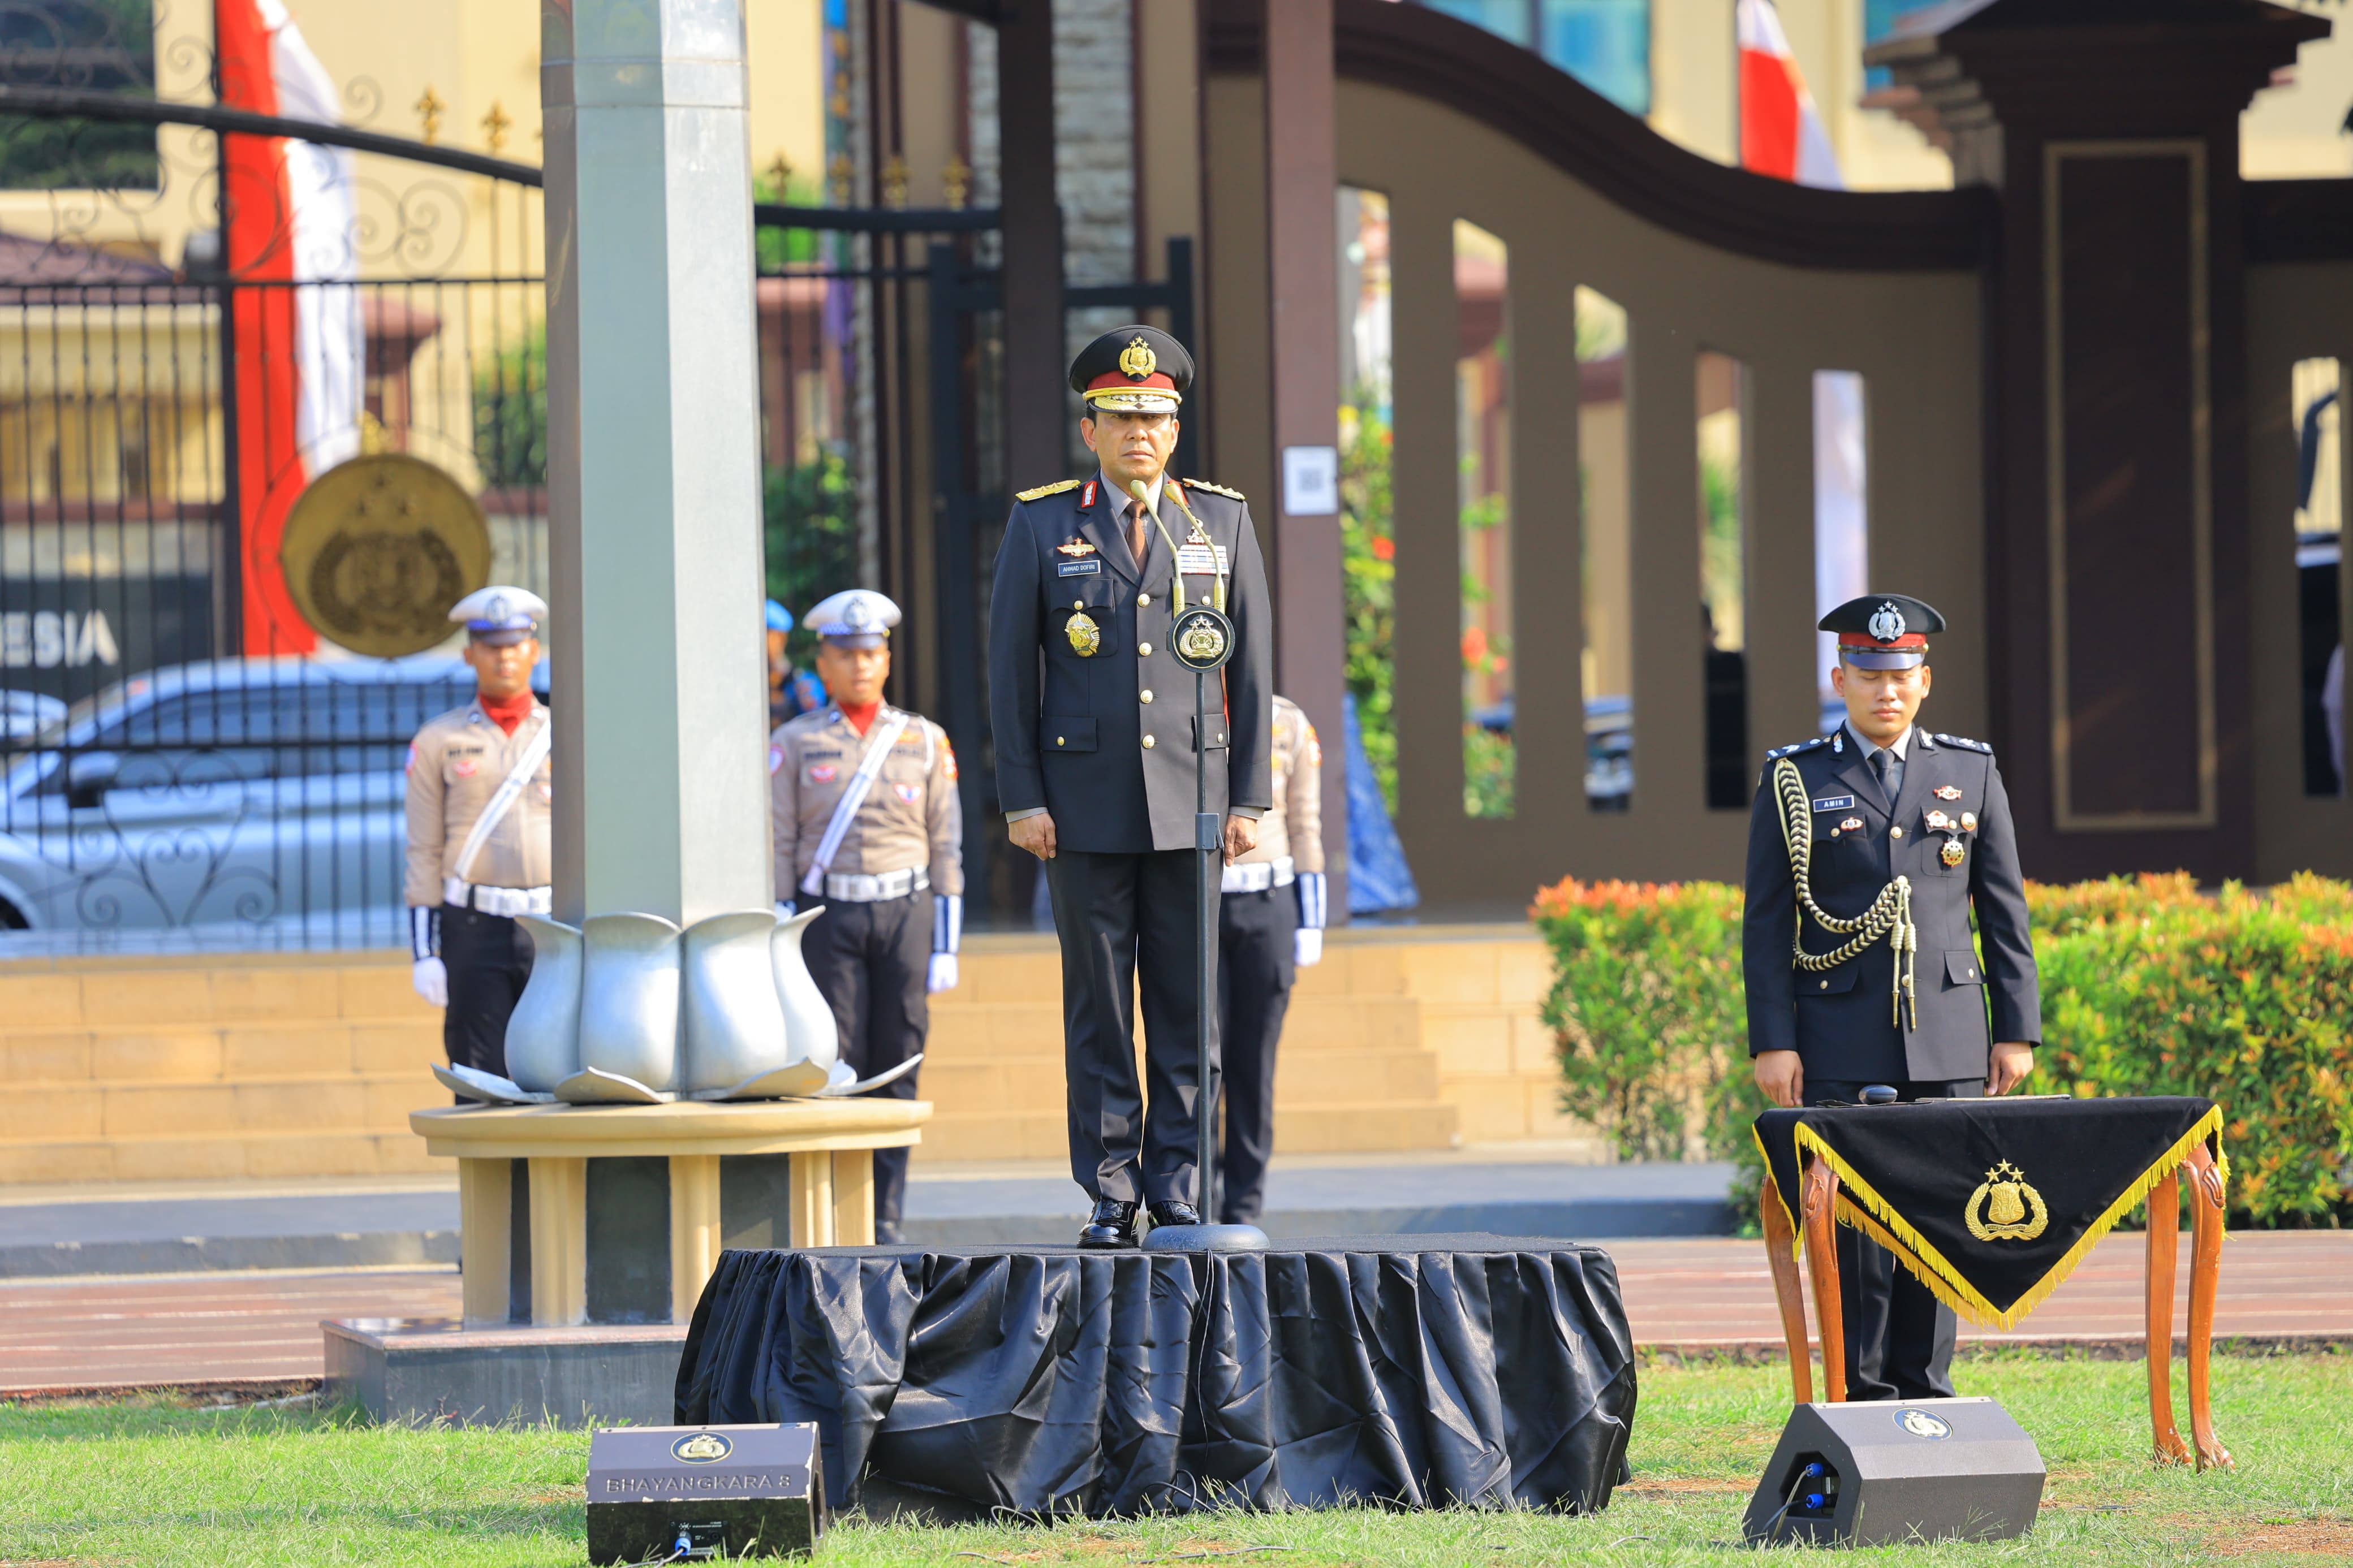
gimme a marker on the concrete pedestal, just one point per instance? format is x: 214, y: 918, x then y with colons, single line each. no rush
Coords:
x: 409, y: 1369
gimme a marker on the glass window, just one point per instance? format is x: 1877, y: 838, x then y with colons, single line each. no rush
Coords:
x: 1367, y: 519
x: 1723, y: 575
x: 1483, y: 449
x: 1605, y: 493
x: 2315, y: 386
x: 1605, y: 44
x: 1841, y: 511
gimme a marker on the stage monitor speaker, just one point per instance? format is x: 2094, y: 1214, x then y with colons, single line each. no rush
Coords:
x: 1885, y: 1470
x: 689, y: 1493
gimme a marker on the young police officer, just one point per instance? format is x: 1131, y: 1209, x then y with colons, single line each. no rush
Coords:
x: 863, y: 802
x: 1911, y: 831
x: 479, y: 849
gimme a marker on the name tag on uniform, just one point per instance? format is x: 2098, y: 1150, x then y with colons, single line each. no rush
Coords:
x: 1077, y: 568
x: 1200, y: 560
x: 1835, y: 802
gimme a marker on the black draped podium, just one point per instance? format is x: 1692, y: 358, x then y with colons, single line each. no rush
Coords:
x: 1425, y: 1372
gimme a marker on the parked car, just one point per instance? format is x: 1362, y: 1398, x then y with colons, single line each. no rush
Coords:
x: 23, y: 715
x: 255, y: 796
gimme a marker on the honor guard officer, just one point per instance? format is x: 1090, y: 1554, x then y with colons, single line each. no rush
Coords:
x: 478, y: 847
x: 864, y: 798
x: 1868, y: 849
x: 1095, y: 758
x: 1270, y: 926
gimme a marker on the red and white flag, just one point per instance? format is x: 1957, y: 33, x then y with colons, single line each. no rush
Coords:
x: 292, y: 215
x: 1780, y: 132
x: 1781, y: 135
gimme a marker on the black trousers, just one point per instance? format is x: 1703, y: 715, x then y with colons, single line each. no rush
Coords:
x: 1256, y: 966
x: 1899, y: 1337
x: 1126, y: 922
x: 870, y: 962
x: 489, y: 960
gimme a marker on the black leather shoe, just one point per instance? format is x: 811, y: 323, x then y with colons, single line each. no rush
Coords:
x: 886, y: 1233
x: 1175, y: 1211
x: 1112, y: 1225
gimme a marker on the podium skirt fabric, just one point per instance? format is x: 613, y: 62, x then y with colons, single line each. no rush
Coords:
x: 1423, y: 1371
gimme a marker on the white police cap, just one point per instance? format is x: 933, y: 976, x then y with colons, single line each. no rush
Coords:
x: 500, y: 612
x: 855, y: 618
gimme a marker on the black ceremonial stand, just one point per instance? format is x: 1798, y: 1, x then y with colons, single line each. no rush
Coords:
x: 1203, y: 641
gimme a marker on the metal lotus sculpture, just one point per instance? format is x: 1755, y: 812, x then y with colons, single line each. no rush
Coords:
x: 628, y: 1009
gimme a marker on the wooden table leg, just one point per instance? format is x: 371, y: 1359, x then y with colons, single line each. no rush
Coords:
x: 485, y: 1239
x: 812, y: 1198
x: 1821, y: 1262
x: 2205, y: 1279
x: 2164, y: 1222
x: 559, y: 1243
x: 694, y: 1234
x: 1780, y: 1244
x: 854, y: 1197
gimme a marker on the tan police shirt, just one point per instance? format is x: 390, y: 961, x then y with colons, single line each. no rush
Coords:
x: 455, y: 765
x: 1295, y: 825
x: 911, y: 817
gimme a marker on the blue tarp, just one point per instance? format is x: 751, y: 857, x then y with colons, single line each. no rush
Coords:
x: 1378, y: 877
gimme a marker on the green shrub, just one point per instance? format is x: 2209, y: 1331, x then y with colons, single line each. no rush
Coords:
x: 2148, y: 987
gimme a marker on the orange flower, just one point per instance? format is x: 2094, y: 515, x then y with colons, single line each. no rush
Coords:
x: 1384, y: 549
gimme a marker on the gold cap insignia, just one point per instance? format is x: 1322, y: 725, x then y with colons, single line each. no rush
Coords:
x: 2005, y: 1197
x: 1136, y: 360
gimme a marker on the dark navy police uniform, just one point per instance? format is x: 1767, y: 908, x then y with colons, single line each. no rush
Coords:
x: 1946, y: 829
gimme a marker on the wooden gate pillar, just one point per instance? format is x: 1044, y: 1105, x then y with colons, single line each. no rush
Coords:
x: 2117, y: 533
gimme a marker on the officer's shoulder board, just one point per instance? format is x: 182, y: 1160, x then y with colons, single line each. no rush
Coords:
x: 1945, y: 739
x: 1043, y: 491
x: 1781, y: 752
x: 1191, y: 484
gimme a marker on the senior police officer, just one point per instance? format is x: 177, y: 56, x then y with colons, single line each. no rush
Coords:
x: 1868, y: 849
x: 1096, y: 748
x: 1270, y: 926
x: 479, y: 845
x: 863, y: 800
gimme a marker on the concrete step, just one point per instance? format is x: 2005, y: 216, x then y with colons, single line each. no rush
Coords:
x: 238, y: 1051
x: 218, y: 1156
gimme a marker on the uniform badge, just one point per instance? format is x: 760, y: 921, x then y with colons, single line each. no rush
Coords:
x: 910, y: 793
x: 546, y: 791
x: 1951, y: 853
x: 947, y: 762
x: 1997, y: 1211
x: 1969, y: 822
x: 411, y: 758
x: 1084, y: 635
x: 822, y: 773
x: 1886, y: 622
x: 776, y: 758
x: 1938, y: 819
x: 464, y: 767
x: 1948, y: 791
x: 1851, y: 825
x: 1076, y: 547
x: 1835, y: 802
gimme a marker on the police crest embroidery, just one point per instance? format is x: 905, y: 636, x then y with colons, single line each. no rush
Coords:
x: 2005, y: 1197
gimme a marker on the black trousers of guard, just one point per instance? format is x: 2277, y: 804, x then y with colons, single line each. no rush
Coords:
x: 489, y: 960
x: 870, y: 961
x: 1126, y: 922
x: 1899, y: 1337
x: 1257, y: 963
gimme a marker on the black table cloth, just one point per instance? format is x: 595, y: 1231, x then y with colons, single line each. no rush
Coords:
x: 1422, y: 1371
x: 1989, y: 1203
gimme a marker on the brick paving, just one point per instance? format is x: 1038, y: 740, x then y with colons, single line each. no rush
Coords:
x: 1697, y: 1294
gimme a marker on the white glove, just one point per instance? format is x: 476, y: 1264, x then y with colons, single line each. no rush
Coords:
x: 432, y: 978
x: 1307, y: 946
x: 943, y: 974
x: 783, y: 908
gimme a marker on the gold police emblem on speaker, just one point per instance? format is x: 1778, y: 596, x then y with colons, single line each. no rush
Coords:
x: 1204, y: 639
x: 1084, y: 635
x: 703, y: 1448
x: 377, y: 549
x: 2005, y: 1197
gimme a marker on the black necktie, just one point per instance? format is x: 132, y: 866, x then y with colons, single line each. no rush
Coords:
x: 1882, y: 763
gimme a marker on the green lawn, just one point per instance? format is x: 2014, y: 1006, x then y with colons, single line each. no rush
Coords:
x: 149, y: 1481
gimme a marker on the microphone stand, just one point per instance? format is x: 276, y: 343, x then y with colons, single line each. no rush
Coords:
x: 1201, y: 640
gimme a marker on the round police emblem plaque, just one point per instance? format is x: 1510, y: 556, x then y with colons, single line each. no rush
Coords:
x: 701, y: 1448
x: 1920, y: 1423
x: 377, y: 549
x: 1204, y: 639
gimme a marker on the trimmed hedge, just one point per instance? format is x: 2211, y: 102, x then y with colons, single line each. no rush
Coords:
x: 2149, y: 987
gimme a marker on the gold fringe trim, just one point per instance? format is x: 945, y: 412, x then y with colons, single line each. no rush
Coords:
x: 1797, y: 1231
x: 1877, y: 1218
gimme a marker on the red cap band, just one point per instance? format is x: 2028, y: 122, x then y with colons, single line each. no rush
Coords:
x: 1112, y: 380
x: 1864, y: 639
